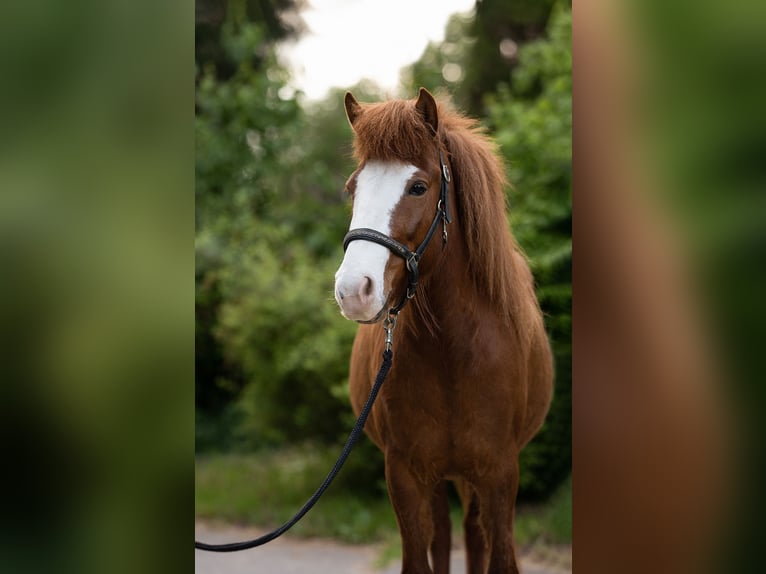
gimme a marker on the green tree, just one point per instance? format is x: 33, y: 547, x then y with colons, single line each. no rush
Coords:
x: 277, y: 19
x: 479, y: 53
x: 272, y: 349
x: 239, y: 144
x: 441, y: 67
x: 497, y: 32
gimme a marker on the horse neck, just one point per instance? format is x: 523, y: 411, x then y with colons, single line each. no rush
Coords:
x: 446, y: 291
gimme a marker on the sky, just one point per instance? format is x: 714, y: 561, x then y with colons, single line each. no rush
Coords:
x: 348, y: 40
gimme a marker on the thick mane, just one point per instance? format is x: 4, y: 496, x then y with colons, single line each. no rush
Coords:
x: 493, y: 256
x: 394, y: 130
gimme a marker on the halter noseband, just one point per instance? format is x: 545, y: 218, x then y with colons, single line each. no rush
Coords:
x: 411, y: 258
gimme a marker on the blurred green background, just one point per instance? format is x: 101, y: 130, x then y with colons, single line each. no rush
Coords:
x: 272, y: 350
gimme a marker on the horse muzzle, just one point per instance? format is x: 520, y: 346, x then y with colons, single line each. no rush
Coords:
x: 358, y: 298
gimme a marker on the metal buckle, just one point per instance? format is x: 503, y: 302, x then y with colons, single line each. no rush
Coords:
x: 445, y: 171
x: 412, y: 261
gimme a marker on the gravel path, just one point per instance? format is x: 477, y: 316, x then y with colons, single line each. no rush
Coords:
x: 288, y: 555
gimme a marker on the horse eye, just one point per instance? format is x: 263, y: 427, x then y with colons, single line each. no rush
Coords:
x: 418, y: 188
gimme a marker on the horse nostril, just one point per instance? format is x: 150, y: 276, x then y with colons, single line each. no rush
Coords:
x: 340, y: 294
x: 366, y: 289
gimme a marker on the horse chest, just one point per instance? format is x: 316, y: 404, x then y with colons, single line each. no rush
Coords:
x: 442, y: 425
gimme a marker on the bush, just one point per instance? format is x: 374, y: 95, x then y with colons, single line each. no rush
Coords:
x: 280, y: 324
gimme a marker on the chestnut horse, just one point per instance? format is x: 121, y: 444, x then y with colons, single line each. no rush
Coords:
x: 471, y: 379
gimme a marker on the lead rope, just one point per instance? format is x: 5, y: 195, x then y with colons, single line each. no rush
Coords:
x: 385, y: 366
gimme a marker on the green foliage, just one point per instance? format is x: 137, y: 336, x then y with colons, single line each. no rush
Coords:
x: 532, y: 123
x: 276, y: 20
x: 272, y: 350
x: 548, y: 523
x: 240, y: 136
x: 233, y: 183
x: 442, y: 66
x: 497, y: 32
x: 280, y: 324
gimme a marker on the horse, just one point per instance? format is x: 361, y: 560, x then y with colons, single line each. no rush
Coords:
x: 471, y: 381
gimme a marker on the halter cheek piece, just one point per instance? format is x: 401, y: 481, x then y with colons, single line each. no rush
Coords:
x: 411, y: 258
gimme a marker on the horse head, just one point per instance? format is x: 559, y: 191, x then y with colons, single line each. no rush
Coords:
x: 400, y: 197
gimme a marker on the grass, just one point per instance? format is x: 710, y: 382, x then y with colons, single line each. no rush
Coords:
x: 546, y: 523
x: 266, y: 489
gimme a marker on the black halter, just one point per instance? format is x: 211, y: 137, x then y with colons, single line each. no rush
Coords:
x: 411, y: 258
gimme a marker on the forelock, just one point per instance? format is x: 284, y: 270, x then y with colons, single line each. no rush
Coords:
x: 391, y: 131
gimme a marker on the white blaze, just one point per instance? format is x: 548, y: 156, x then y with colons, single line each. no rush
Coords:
x: 379, y: 187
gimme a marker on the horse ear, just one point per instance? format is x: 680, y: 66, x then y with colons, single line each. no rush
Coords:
x: 426, y: 106
x: 353, y: 109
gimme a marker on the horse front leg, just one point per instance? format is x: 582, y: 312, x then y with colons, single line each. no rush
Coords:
x: 475, y: 542
x: 411, y: 499
x: 442, y: 540
x: 497, y: 498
